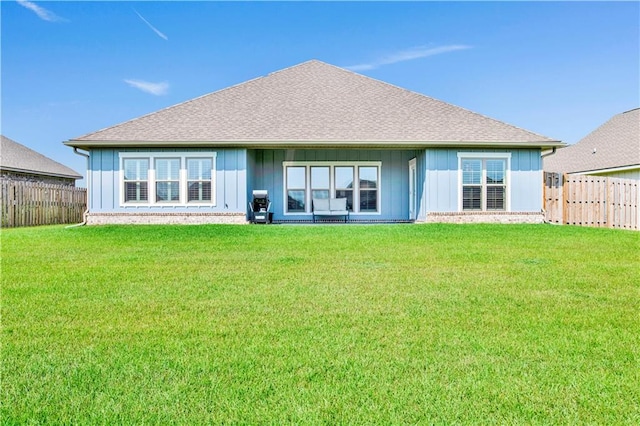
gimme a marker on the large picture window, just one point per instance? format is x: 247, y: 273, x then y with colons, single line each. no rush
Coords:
x: 359, y: 183
x: 483, y: 178
x: 167, y: 178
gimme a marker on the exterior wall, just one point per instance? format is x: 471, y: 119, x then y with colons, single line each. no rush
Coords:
x: 104, y: 186
x: 240, y: 171
x: 441, y: 186
x: 623, y: 174
x: 30, y: 177
x: 394, y: 180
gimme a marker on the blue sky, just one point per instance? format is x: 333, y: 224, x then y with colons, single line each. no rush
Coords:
x: 560, y: 69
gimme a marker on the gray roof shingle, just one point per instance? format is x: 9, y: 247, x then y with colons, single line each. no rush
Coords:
x: 614, y: 144
x: 313, y: 103
x: 16, y: 157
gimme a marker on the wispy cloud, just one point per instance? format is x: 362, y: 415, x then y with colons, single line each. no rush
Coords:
x: 408, y: 55
x: 157, y: 89
x: 42, y: 13
x: 155, y: 30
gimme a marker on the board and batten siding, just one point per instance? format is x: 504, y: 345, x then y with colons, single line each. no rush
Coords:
x: 267, y: 173
x: 441, y: 190
x: 230, y: 179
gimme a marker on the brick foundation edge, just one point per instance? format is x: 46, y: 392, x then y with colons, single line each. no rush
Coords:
x: 165, y: 218
x: 485, y: 217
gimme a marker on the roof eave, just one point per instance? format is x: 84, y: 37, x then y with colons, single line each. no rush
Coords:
x: 40, y: 173
x: 311, y: 144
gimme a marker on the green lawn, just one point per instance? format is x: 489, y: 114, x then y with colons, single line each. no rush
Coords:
x: 347, y: 324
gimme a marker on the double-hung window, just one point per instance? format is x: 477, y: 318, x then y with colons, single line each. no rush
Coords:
x: 320, y: 182
x: 368, y: 184
x: 136, y: 180
x: 344, y: 184
x: 296, y: 189
x: 199, y: 179
x: 167, y: 178
x: 358, y: 182
x: 484, y: 181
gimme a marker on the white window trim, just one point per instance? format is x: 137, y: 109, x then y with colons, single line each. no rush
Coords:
x: 484, y: 156
x: 332, y: 189
x: 151, y: 178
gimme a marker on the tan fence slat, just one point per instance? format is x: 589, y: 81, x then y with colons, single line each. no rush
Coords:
x: 34, y: 203
x: 591, y: 200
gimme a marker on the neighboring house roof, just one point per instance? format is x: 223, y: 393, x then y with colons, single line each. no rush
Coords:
x: 313, y: 104
x: 16, y: 157
x: 614, y: 145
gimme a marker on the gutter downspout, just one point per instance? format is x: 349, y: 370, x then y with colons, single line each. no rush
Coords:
x: 84, y: 214
x: 544, y: 212
x: 553, y: 151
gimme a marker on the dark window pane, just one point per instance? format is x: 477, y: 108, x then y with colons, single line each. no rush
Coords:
x: 495, y: 198
x: 199, y: 191
x: 471, y: 198
x: 368, y: 177
x: 135, y: 191
x: 167, y: 191
x: 368, y: 201
x: 295, y: 201
x: 348, y: 194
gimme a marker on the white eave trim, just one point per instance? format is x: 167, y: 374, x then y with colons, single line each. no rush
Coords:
x: 388, y: 144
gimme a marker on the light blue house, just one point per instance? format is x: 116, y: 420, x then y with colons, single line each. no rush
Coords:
x: 314, y: 131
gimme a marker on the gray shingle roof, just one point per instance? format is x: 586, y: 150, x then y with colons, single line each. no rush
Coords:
x: 16, y: 157
x: 313, y: 103
x: 615, y: 144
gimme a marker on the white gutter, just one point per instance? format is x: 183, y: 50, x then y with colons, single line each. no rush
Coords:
x: 84, y: 214
x: 553, y: 151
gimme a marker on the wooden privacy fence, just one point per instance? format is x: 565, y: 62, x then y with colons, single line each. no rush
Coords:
x: 34, y: 203
x: 591, y: 201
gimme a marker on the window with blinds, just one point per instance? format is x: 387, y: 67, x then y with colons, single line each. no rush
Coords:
x: 168, y: 178
x: 136, y: 180
x: 484, y: 182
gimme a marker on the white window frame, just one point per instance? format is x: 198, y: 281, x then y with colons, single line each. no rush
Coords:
x: 486, y: 156
x: 137, y: 181
x: 183, y: 178
x: 332, y: 187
